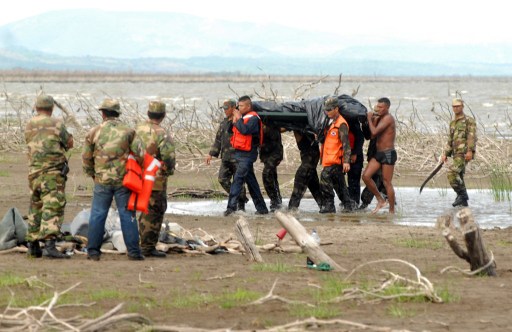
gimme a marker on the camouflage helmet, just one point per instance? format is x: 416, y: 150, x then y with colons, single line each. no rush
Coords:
x: 331, y: 103
x: 457, y: 102
x: 156, y: 106
x: 44, y: 101
x: 226, y: 104
x: 110, y: 105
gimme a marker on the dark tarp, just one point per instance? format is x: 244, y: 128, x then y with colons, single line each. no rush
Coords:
x: 306, y: 114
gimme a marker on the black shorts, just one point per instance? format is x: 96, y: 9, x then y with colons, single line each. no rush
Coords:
x: 386, y: 157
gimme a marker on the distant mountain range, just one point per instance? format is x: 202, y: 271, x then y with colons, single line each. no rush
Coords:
x: 179, y: 43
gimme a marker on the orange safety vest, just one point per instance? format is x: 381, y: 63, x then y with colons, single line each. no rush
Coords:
x: 244, y: 142
x: 140, y: 201
x: 332, y: 149
x: 133, y: 177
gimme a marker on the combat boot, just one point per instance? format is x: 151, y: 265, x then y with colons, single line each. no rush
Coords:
x: 328, y: 208
x: 51, y: 250
x: 460, y: 200
x: 34, y: 250
x: 348, y: 206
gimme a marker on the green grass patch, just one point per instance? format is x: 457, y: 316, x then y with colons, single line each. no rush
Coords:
x: 7, y: 159
x: 332, y: 287
x: 191, y: 300
x: 273, y: 267
x: 447, y: 296
x: 399, y: 311
x: 501, y: 184
x: 321, y: 312
x: 419, y: 243
x: 504, y: 243
x: 4, y: 174
x: 239, y: 297
x: 9, y: 279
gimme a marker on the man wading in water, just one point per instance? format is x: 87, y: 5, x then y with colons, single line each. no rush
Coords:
x: 384, y: 131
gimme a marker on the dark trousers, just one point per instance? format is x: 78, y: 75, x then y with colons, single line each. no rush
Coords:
x: 226, y: 172
x: 305, y: 177
x: 245, y: 174
x: 354, y: 179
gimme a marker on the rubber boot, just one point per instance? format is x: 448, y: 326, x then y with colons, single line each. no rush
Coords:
x: 52, y: 251
x: 34, y: 250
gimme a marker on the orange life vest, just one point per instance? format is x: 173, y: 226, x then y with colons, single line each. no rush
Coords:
x: 244, y: 142
x: 133, y: 177
x: 332, y: 149
x: 140, y: 201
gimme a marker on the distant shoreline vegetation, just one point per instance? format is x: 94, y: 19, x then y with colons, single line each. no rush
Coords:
x: 21, y: 75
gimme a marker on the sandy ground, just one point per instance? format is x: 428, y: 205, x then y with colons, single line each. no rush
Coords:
x: 180, y: 291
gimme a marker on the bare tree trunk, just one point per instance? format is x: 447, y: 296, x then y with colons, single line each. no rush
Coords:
x: 244, y: 235
x: 475, y: 255
x: 305, y: 241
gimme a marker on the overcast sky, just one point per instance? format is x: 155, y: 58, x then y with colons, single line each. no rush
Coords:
x: 433, y: 21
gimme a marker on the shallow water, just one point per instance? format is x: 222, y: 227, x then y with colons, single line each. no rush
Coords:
x: 412, y: 209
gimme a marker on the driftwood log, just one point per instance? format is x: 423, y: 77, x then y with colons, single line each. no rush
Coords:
x: 244, y: 235
x: 475, y: 253
x: 305, y: 241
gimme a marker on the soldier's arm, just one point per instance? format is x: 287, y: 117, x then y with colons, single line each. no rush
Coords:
x: 88, y: 155
x: 136, y: 147
x: 471, y: 138
x: 216, y: 146
x: 65, y: 137
x: 343, y: 134
x: 167, y: 153
x: 448, y: 150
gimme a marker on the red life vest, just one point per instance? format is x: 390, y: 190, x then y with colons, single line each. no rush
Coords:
x: 133, y: 177
x: 332, y: 149
x: 244, y: 142
x: 140, y: 201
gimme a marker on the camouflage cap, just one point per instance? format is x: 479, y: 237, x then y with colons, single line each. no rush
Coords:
x: 228, y: 103
x: 457, y: 102
x: 330, y: 103
x: 44, y: 101
x: 156, y: 106
x: 110, y: 105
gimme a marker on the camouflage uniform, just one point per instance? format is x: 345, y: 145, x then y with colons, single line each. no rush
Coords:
x: 104, y: 156
x: 271, y: 154
x: 222, y: 146
x: 462, y: 138
x: 306, y: 175
x: 157, y: 142
x: 47, y: 141
x: 332, y: 178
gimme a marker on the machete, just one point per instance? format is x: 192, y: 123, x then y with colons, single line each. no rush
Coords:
x: 431, y: 175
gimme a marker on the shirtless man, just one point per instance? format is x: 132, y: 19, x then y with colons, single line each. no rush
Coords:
x: 384, y: 131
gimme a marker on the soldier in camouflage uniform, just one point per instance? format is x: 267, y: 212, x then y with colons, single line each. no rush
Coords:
x: 106, y: 150
x: 157, y: 142
x: 306, y: 175
x: 47, y: 141
x: 271, y: 155
x: 335, y: 157
x: 461, y: 146
x: 222, y: 146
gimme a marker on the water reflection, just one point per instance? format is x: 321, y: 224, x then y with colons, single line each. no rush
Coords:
x: 413, y: 209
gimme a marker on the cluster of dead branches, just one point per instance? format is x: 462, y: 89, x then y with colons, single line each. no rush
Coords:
x: 418, y: 144
x: 43, y: 317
